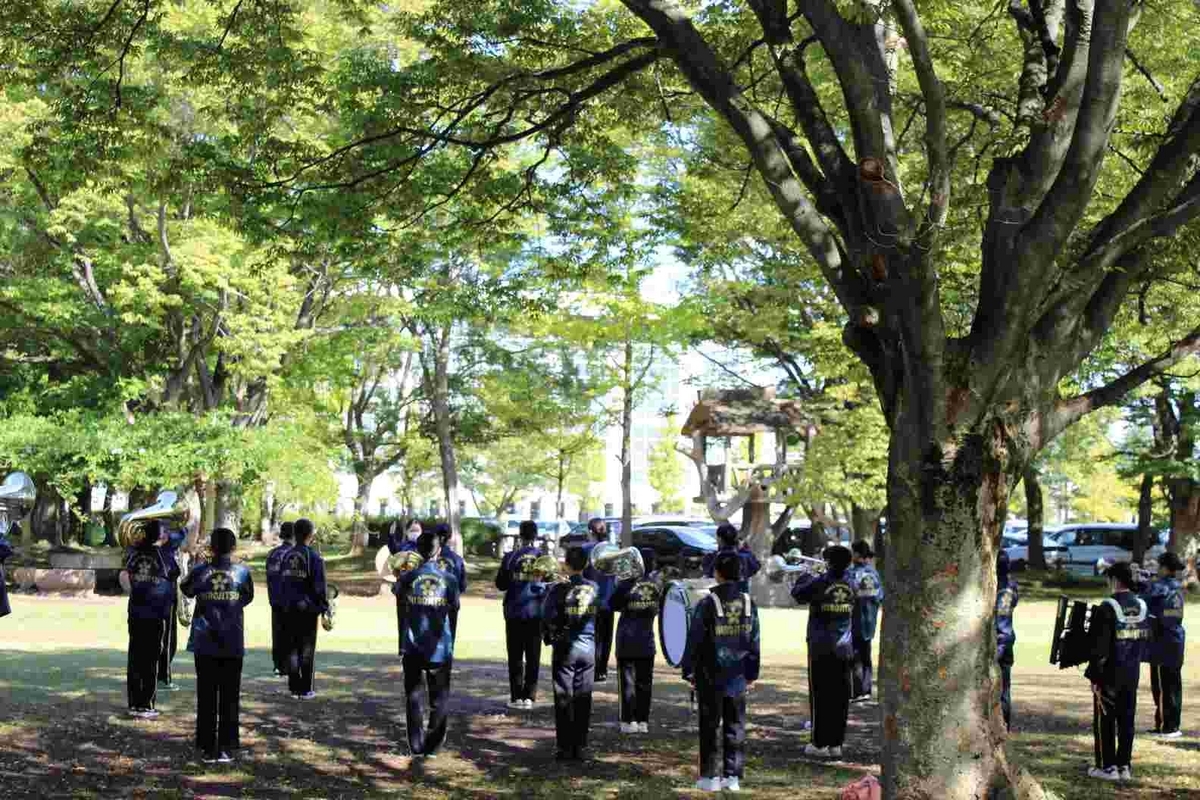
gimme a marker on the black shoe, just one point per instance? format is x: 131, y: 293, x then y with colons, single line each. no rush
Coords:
x: 601, y: 677
x: 562, y: 755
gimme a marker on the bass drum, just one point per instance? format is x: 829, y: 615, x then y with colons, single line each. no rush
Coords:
x: 679, y: 599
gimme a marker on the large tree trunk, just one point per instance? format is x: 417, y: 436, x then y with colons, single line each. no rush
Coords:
x: 443, y: 424
x: 1185, y: 528
x: 228, y: 511
x: 109, y: 517
x: 627, y: 450
x: 862, y: 522
x: 1145, y: 532
x: 358, y: 537
x: 1035, y: 512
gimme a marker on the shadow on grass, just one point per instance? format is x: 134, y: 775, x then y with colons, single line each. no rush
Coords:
x: 66, y: 734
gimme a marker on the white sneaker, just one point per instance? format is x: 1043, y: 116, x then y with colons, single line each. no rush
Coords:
x: 1170, y: 735
x: 835, y: 752
x: 629, y: 727
x: 526, y: 703
x: 1126, y: 773
x: 308, y: 696
x: 709, y: 784
x: 643, y: 727
x: 1106, y: 774
x: 817, y: 752
x: 731, y: 784
x: 517, y: 704
x: 150, y: 713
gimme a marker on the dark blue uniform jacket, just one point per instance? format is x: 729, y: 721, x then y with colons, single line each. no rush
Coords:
x: 1007, y: 596
x: 1120, y: 630
x: 274, y: 568
x: 868, y: 591
x: 302, y: 581
x: 605, y: 584
x: 428, y: 595
x: 750, y: 564
x: 152, y: 575
x: 6, y: 552
x: 1165, y: 602
x: 722, y: 651
x: 569, y: 616
x: 451, y: 562
x: 830, y: 600
x: 523, y: 595
x: 638, y: 602
x: 222, y: 589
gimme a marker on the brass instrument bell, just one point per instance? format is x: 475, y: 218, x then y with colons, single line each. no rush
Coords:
x: 17, y: 496
x: 169, y: 507
x: 623, y: 564
x: 402, y: 562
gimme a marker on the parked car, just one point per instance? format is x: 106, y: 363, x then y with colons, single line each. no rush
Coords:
x: 679, y: 546
x: 1018, y: 552
x: 551, y: 533
x: 1087, y: 543
x: 672, y: 521
x: 795, y: 537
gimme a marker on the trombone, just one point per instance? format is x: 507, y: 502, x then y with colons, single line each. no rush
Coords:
x: 792, y: 565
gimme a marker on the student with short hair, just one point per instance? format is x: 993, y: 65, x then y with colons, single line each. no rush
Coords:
x: 569, y: 627
x: 222, y: 589
x: 721, y: 660
x: 452, y: 564
x: 638, y: 600
x: 1007, y: 597
x: 727, y: 540
x: 523, y: 595
x: 1165, y: 602
x: 151, y: 595
x: 868, y: 590
x: 304, y: 600
x: 274, y: 567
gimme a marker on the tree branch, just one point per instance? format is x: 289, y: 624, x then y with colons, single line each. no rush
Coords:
x: 1154, y: 82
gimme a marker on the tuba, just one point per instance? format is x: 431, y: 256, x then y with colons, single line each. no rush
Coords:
x: 400, y: 563
x: 792, y: 565
x: 17, y: 495
x: 331, y: 594
x: 169, y: 507
x: 623, y: 564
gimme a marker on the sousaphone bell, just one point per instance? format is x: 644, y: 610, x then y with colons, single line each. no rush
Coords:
x: 400, y: 563
x: 169, y: 507
x: 622, y: 563
x: 17, y: 496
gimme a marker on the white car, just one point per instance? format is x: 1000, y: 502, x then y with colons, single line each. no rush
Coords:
x: 1017, y: 549
x: 1086, y: 544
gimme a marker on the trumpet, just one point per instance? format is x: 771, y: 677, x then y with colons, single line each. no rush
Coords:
x: 400, y: 563
x: 331, y: 593
x: 17, y: 495
x: 623, y: 564
x: 792, y: 565
x: 169, y: 507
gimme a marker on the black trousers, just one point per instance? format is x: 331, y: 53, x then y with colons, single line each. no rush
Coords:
x: 1006, y: 693
x: 1112, y: 727
x: 170, y: 644
x: 604, y: 641
x: 863, y: 671
x: 573, y: 669
x: 425, y: 682
x: 829, y: 679
x: 145, y: 644
x: 300, y: 635
x: 727, y: 716
x: 636, y: 679
x: 278, y: 641
x: 1166, y: 684
x: 523, y: 638
x: 218, y: 697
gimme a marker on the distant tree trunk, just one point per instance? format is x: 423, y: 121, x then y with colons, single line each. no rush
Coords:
x: 1034, y: 513
x: 78, y: 517
x: 358, y: 538
x: 1145, y: 532
x: 814, y: 539
x: 862, y: 522
x: 1185, y: 530
x: 626, y: 449
x: 110, y: 518
x: 444, y: 426
x: 266, y: 512
x: 560, y: 511
x: 228, y: 512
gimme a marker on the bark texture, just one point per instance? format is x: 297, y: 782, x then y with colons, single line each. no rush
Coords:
x: 1035, y: 515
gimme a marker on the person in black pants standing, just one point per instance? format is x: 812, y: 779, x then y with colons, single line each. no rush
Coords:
x: 605, y: 584
x: 830, y: 600
x: 170, y: 643
x: 302, y: 586
x: 274, y: 567
x: 637, y: 599
x: 569, y: 627
x: 1165, y: 601
x: 868, y: 589
x: 523, y: 595
x: 151, y: 593
x: 222, y: 589
x: 6, y: 552
x: 721, y: 660
x: 452, y: 563
x: 1007, y: 596
x: 430, y: 598
x: 1120, y: 631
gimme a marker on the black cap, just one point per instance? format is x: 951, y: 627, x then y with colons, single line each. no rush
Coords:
x: 1120, y: 571
x: 1171, y: 561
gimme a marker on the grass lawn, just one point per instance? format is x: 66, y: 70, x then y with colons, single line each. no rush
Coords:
x: 64, y: 733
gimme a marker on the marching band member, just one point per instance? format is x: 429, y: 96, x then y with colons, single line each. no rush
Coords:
x: 1120, y: 630
x: 274, y: 567
x: 523, y: 595
x: 431, y: 598
x: 1007, y: 596
x: 727, y: 538
x: 452, y: 563
x: 304, y: 600
x: 830, y: 600
x: 1165, y: 602
x: 400, y: 539
x: 868, y: 590
x: 6, y: 552
x: 222, y: 589
x: 637, y: 599
x: 721, y: 661
x: 569, y: 627
x: 605, y: 585
x: 170, y: 643
x: 151, y: 594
